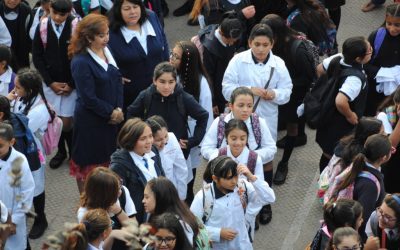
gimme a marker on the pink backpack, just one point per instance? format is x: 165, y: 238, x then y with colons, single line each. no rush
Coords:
x: 347, y: 193
x: 43, y: 29
x: 52, y: 135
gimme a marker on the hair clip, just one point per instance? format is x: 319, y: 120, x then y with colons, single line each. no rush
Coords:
x: 396, y: 198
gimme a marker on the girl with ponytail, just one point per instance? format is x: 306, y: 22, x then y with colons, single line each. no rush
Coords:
x: 366, y: 176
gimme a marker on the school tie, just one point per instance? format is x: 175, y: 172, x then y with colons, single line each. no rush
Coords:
x: 146, y: 164
x: 58, y: 28
x: 391, y: 235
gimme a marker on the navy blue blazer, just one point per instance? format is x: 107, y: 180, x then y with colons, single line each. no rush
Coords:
x: 133, y: 62
x: 99, y: 93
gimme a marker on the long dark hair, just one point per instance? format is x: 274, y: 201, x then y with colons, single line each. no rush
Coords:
x: 376, y: 146
x: 31, y: 81
x: 115, y: 16
x: 342, y: 213
x: 353, y: 144
x: 191, y: 69
x: 167, y: 200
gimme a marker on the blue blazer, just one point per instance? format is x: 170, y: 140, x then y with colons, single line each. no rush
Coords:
x: 99, y: 93
x: 133, y: 62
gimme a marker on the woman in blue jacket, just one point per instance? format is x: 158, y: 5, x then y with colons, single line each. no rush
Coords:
x: 138, y: 43
x: 99, y: 88
x: 168, y: 99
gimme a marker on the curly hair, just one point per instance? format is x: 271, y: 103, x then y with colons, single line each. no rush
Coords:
x: 90, y: 26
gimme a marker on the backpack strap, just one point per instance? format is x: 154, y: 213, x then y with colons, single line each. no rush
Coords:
x: 222, y: 151
x: 255, y: 124
x: 252, y: 161
x: 373, y: 178
x: 379, y: 37
x: 43, y: 31
x: 11, y: 85
x: 293, y: 49
x: 146, y: 102
x: 208, y: 201
x: 122, y: 199
x: 221, y: 130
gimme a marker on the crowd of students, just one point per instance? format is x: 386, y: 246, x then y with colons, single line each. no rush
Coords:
x: 135, y: 126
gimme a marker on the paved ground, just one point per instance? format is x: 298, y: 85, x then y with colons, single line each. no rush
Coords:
x: 296, y: 213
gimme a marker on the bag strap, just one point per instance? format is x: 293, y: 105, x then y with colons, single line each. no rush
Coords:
x: 255, y: 124
x: 43, y: 31
x: 379, y: 37
x: 252, y: 161
x: 222, y: 151
x: 373, y: 178
x: 221, y: 130
x: 265, y: 87
x: 293, y: 49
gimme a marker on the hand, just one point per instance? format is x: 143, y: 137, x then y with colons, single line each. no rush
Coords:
x: 244, y: 170
x: 114, y: 209
x: 258, y: 91
x: 352, y: 119
x: 183, y: 143
x: 125, y: 80
x: 12, y: 95
x: 228, y: 234
x: 57, y: 87
x: 372, y: 243
x: 269, y: 95
x: 13, y: 228
x: 122, y: 235
x: 249, y: 11
x: 215, y: 110
x: 66, y: 90
x: 117, y: 116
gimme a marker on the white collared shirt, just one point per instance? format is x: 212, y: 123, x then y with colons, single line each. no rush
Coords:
x: 5, y: 80
x: 146, y: 29
x: 4, y: 213
x: 91, y: 247
x: 372, y: 166
x: 149, y: 173
x: 219, y: 37
x: 61, y: 27
x: 100, y: 61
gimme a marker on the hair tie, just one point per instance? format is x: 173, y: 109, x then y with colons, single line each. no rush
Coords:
x: 396, y: 198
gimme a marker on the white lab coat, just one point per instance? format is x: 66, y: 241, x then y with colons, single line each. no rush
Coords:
x: 205, y: 101
x: 242, y: 159
x: 259, y: 194
x: 266, y: 151
x: 38, y: 117
x: 174, y: 165
x: 242, y: 71
x: 5, y: 37
x: 16, y: 208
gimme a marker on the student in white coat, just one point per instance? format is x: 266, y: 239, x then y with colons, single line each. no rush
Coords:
x: 28, y: 99
x: 17, y: 208
x: 228, y: 228
x: 237, y: 134
x: 185, y: 57
x: 259, y: 139
x: 172, y: 159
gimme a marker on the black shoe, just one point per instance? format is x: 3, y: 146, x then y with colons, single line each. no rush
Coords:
x: 281, y: 173
x: 38, y: 228
x: 301, y: 140
x: 265, y: 215
x: 192, y: 22
x: 57, y: 160
x: 186, y: 8
x: 165, y: 10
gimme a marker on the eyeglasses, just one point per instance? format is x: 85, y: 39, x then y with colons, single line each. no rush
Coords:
x: 174, y: 56
x: 166, y: 240
x: 356, y: 247
x: 385, y: 217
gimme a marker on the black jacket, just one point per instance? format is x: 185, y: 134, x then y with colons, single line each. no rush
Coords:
x: 216, y: 58
x: 133, y: 178
x: 52, y: 62
x: 167, y: 107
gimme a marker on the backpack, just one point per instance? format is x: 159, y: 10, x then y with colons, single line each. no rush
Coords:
x: 52, y: 135
x: 319, y: 102
x: 379, y: 37
x: 209, y: 198
x: 202, y: 240
x: 327, y: 45
x: 347, y: 193
x: 24, y: 140
x: 148, y: 98
x: 327, y: 176
x: 196, y: 39
x: 255, y: 124
x: 251, y: 160
x: 310, y: 48
x: 43, y: 29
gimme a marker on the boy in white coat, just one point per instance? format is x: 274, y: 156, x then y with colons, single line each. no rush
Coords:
x: 17, y: 198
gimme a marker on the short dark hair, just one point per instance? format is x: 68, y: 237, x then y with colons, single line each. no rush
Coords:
x: 130, y: 133
x: 231, y: 26
x: 6, y: 131
x: 5, y: 54
x: 164, y: 67
x: 261, y: 30
x: 115, y: 16
x: 62, y: 6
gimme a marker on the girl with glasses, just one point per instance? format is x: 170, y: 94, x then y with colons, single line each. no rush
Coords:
x: 345, y: 238
x: 385, y: 221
